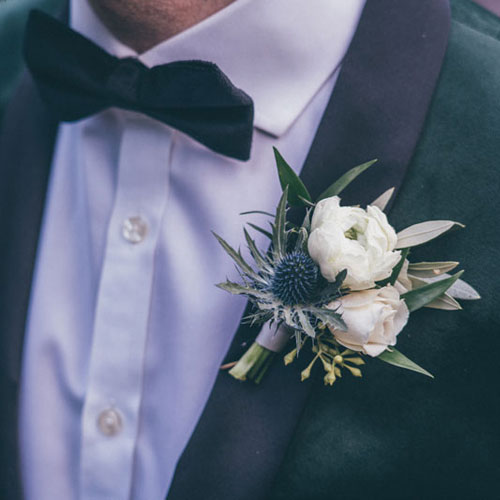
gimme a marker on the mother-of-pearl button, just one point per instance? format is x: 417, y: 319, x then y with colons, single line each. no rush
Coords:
x: 109, y: 422
x: 134, y: 229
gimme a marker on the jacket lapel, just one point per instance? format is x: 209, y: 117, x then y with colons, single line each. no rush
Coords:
x: 26, y: 147
x: 377, y: 110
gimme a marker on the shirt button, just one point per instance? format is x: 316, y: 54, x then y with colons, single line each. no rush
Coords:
x: 109, y: 422
x: 134, y: 229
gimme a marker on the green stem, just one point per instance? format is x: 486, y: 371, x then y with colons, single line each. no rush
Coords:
x: 253, y: 364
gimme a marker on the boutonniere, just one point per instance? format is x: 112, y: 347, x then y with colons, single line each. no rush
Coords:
x: 341, y: 283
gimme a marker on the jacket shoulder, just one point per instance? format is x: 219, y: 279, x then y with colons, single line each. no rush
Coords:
x: 475, y: 17
x: 467, y: 94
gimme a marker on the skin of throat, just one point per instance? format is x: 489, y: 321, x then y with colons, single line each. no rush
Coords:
x: 142, y: 24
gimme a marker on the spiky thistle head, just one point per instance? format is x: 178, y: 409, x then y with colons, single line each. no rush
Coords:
x: 295, y: 279
x: 285, y: 285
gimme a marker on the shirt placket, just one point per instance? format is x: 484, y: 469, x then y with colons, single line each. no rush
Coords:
x: 111, y: 411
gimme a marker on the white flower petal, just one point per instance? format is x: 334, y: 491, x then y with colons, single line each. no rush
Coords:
x: 374, y: 350
x: 361, y: 241
x: 374, y: 318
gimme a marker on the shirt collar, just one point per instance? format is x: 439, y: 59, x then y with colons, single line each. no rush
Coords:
x: 280, y: 52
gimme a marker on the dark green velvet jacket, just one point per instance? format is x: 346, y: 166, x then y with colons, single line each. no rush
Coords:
x: 395, y: 434
x: 423, y: 95
x: 12, y: 20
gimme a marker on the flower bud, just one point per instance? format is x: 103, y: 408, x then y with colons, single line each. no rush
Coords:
x: 305, y: 374
x: 355, y: 361
x: 355, y: 371
x: 330, y: 378
x: 290, y: 356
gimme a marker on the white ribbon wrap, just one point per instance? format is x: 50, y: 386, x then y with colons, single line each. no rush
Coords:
x: 272, y: 339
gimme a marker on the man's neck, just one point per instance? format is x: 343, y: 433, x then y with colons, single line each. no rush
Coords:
x: 142, y: 24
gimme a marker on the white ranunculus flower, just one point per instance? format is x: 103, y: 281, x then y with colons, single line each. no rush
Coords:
x: 361, y: 241
x: 373, y: 318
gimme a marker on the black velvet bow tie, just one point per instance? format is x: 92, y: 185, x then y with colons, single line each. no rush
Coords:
x: 76, y: 78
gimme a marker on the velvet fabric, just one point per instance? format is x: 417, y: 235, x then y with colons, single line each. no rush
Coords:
x: 392, y: 435
x: 12, y: 21
x: 395, y: 434
x: 23, y: 184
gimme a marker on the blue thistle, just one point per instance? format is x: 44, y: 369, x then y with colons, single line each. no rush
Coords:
x: 295, y: 279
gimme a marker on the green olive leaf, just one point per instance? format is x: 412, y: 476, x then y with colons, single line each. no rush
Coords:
x: 298, y: 195
x: 340, y: 184
x: 394, y: 357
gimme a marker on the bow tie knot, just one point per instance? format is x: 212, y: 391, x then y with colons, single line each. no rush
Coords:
x: 123, y: 83
x: 76, y: 79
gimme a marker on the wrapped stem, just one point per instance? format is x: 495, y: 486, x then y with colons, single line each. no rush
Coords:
x: 253, y: 364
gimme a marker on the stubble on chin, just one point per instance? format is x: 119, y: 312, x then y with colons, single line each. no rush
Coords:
x: 142, y: 24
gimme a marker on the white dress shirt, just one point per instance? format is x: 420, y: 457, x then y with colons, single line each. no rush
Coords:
x: 126, y: 330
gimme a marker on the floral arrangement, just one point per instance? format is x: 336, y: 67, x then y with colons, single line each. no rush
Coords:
x: 341, y: 282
